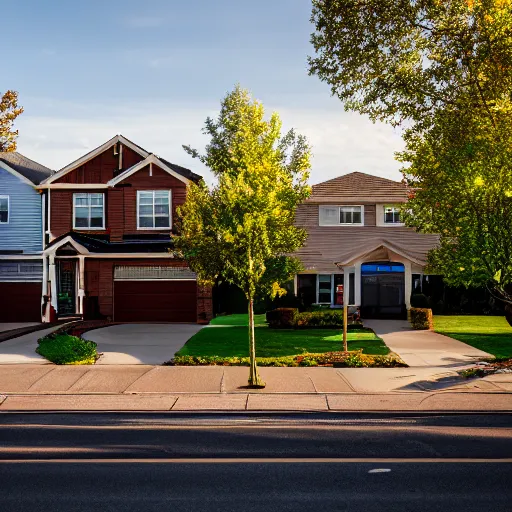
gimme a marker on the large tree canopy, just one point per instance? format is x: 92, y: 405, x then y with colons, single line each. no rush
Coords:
x: 441, y: 70
x: 242, y: 228
x: 9, y: 111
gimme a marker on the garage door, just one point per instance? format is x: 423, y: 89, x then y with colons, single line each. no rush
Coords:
x: 20, y: 302
x: 154, y: 294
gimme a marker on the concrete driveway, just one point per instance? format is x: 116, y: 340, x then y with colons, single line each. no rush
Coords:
x: 23, y: 349
x: 140, y: 343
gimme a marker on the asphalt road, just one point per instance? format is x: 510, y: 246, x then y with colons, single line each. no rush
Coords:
x: 246, y: 462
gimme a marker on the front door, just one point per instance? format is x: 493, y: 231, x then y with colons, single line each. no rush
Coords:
x: 66, y: 290
x: 383, y: 296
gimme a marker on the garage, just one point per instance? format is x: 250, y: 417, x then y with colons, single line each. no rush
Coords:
x: 20, y: 290
x: 154, y: 294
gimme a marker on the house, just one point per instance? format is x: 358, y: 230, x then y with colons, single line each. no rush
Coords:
x: 358, y: 250
x: 21, y: 238
x: 108, y: 254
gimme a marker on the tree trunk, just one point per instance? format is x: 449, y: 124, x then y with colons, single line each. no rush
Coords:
x: 254, y: 378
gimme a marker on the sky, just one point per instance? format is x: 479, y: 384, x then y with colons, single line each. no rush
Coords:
x: 154, y: 70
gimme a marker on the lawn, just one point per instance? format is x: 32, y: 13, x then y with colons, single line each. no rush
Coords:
x: 227, y: 337
x: 491, y: 334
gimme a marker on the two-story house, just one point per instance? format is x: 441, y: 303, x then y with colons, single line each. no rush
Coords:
x: 358, y: 250
x: 108, y: 254
x: 21, y: 238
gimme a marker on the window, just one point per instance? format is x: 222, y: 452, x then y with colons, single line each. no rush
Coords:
x: 4, y: 209
x: 392, y: 215
x: 153, y: 209
x: 324, y: 289
x: 89, y: 211
x: 350, y: 215
x: 341, y: 215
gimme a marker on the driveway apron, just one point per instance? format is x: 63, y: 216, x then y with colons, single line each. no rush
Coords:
x: 140, y: 343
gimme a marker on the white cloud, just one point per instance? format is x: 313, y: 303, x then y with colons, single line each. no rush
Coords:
x: 342, y: 142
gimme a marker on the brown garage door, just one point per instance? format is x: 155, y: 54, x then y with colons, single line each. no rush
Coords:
x: 155, y: 301
x: 20, y: 302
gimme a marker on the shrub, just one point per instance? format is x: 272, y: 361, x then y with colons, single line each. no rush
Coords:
x: 282, y: 318
x: 419, y: 300
x: 66, y: 349
x: 326, y: 319
x: 421, y: 318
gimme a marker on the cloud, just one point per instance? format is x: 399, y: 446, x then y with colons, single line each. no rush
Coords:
x: 342, y: 141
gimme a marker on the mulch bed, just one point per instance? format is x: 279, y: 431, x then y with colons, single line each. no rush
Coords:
x: 482, y: 370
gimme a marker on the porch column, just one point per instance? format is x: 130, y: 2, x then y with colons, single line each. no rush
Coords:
x: 357, y: 284
x: 408, y: 283
x: 81, y: 284
x: 53, y: 283
x: 345, y: 285
x: 44, y: 291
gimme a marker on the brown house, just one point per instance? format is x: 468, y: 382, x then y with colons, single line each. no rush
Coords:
x: 108, y: 249
x: 358, y: 250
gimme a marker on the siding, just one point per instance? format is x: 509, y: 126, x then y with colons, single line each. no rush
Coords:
x: 101, y: 168
x: 21, y: 271
x: 24, y: 230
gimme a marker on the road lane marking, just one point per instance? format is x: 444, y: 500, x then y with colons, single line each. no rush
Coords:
x: 379, y: 470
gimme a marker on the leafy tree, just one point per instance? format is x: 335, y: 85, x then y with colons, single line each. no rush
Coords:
x: 242, y: 229
x: 441, y: 70
x: 9, y: 111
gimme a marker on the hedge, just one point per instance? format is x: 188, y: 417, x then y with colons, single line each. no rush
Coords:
x: 421, y: 318
x: 282, y: 318
x: 354, y: 359
x: 290, y: 318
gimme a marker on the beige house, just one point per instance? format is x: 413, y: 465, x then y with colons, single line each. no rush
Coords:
x: 358, y: 249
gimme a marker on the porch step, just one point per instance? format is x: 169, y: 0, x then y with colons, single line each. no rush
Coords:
x: 70, y: 318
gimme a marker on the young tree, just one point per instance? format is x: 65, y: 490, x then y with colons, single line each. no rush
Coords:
x: 442, y: 71
x: 9, y: 111
x: 242, y: 229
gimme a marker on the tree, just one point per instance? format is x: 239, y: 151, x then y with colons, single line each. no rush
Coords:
x: 9, y: 111
x: 242, y: 229
x: 441, y: 70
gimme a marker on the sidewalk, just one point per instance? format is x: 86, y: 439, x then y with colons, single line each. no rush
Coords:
x: 138, y: 387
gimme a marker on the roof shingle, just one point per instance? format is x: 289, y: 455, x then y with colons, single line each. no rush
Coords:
x: 31, y: 170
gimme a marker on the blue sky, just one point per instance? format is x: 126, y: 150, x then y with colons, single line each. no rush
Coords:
x: 154, y: 70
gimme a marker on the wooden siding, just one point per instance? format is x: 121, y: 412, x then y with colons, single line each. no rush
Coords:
x: 369, y: 215
x: 23, y: 232
x: 101, y: 168
x: 120, y: 204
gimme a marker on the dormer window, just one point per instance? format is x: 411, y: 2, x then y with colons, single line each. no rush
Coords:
x: 341, y: 215
x: 392, y: 215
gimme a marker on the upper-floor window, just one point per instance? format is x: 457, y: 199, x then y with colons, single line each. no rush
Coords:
x: 4, y: 209
x: 341, y: 215
x: 89, y: 211
x: 153, y: 209
x: 392, y: 215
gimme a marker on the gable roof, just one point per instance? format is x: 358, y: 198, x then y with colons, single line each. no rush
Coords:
x: 178, y: 172
x: 359, y: 188
x: 181, y: 171
x: 25, y: 167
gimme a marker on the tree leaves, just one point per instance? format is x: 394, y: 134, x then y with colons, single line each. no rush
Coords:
x: 9, y: 111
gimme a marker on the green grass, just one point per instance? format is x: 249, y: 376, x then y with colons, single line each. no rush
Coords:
x: 229, y: 338
x: 491, y: 334
x: 66, y: 349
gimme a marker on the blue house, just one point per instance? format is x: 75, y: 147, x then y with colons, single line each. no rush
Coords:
x: 21, y: 238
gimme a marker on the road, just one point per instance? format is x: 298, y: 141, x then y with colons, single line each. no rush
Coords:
x: 245, y: 462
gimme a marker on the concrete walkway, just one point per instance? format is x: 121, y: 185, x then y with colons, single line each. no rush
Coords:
x: 140, y: 343
x: 424, y: 348
x: 9, y: 326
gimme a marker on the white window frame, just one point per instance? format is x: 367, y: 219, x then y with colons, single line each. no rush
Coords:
x: 395, y: 207
x: 339, y: 207
x: 8, y: 209
x: 81, y: 228
x: 318, y: 289
x: 159, y: 228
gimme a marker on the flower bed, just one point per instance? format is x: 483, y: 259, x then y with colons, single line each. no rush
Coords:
x: 354, y: 359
